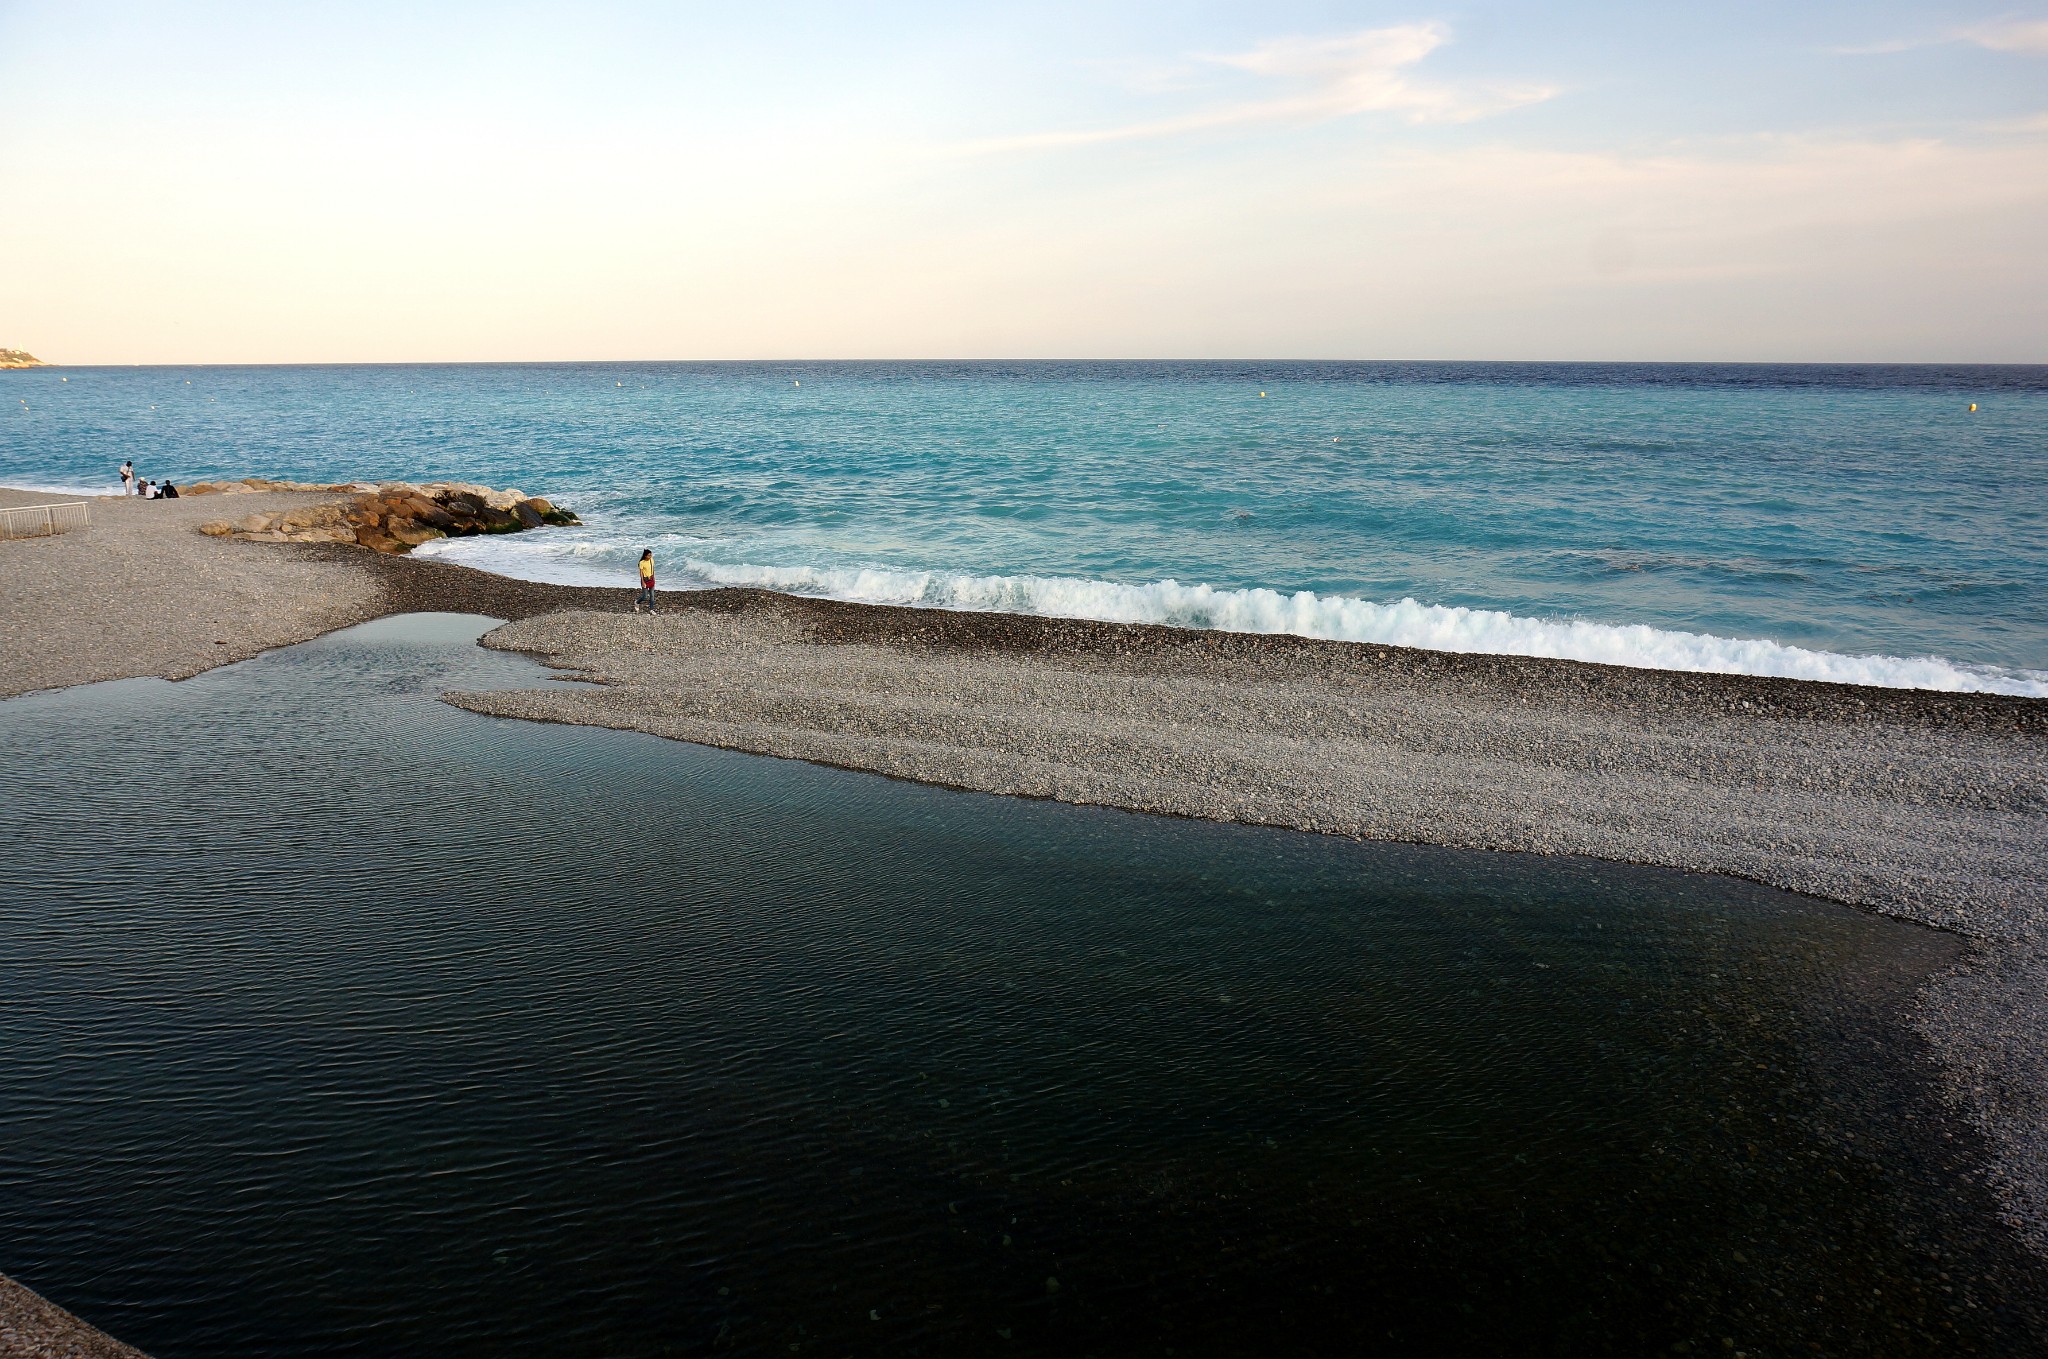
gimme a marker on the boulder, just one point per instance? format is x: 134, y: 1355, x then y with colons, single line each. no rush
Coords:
x: 412, y: 533
x: 310, y: 516
x: 427, y: 512
x: 389, y: 516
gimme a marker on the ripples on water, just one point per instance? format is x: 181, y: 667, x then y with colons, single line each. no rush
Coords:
x: 341, y: 1022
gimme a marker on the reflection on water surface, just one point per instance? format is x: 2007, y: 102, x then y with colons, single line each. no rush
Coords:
x: 342, y: 1022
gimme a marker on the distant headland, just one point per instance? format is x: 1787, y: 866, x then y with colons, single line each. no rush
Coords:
x: 20, y: 358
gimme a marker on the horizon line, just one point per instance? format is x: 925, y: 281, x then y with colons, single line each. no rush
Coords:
x: 1245, y: 359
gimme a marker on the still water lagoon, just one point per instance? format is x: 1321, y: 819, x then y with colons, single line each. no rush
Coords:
x: 339, y: 1021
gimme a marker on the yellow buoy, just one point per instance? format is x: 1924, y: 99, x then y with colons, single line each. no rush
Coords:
x: 1261, y: 393
x: 1973, y: 405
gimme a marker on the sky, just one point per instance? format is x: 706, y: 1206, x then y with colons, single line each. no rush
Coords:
x: 265, y: 183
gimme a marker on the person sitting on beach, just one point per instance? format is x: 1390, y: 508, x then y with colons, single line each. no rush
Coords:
x: 127, y: 478
x: 166, y: 491
x: 646, y: 582
x: 145, y: 492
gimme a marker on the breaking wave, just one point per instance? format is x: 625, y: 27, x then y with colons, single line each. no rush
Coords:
x: 110, y: 488
x: 589, y: 560
x: 1407, y: 623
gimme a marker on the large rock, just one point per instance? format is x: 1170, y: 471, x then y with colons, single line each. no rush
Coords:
x: 312, y: 516
x: 411, y: 532
x: 390, y: 516
x: 427, y: 512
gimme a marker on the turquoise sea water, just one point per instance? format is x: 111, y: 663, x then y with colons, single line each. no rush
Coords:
x: 1853, y: 523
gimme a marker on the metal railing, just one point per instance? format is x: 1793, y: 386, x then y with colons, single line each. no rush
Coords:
x: 40, y: 521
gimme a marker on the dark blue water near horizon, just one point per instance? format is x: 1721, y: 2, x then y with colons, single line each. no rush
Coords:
x: 1846, y: 522
x: 338, y: 1021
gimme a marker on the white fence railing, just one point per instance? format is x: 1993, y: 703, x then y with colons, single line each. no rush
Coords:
x: 40, y: 521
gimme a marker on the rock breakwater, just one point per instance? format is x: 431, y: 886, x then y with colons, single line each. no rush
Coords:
x: 389, y: 517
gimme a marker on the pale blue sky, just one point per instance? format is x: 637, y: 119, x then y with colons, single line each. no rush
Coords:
x: 237, y: 182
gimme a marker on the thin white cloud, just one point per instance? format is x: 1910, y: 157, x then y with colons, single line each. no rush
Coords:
x: 2013, y: 35
x: 2029, y: 36
x: 1318, y: 79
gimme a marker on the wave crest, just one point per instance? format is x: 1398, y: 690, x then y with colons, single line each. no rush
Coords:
x: 1407, y: 623
x: 1303, y: 613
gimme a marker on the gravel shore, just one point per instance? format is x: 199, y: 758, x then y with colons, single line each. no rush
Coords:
x: 1930, y: 807
x: 32, y: 1327
x: 143, y: 592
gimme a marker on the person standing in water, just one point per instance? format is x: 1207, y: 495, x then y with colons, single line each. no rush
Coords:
x: 646, y: 582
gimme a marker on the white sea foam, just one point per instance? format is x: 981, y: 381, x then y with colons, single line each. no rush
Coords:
x: 1304, y: 613
x: 559, y: 557
x: 60, y: 488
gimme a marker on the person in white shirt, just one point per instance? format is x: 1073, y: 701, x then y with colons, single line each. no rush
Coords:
x: 127, y: 478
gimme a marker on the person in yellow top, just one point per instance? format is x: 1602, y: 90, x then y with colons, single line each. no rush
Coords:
x: 646, y: 598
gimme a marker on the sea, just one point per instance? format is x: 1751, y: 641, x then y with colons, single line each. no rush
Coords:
x: 1882, y: 525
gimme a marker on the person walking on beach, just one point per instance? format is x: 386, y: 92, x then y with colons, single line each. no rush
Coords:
x: 646, y: 597
x: 127, y: 478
